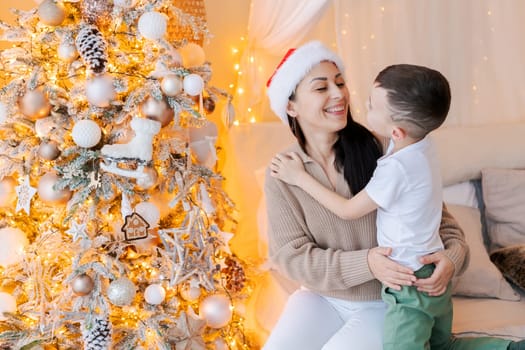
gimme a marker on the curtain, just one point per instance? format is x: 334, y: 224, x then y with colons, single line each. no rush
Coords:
x: 274, y: 26
x: 477, y: 44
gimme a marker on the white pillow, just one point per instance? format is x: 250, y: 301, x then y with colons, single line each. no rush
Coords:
x: 482, y: 278
x: 463, y: 193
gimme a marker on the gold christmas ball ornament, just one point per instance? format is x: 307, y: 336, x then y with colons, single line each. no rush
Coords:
x: 34, y: 104
x: 171, y: 85
x: 192, y: 55
x: 7, y: 191
x: 82, y: 285
x: 216, y: 309
x: 49, y: 150
x: 158, y: 110
x: 51, y: 13
x: 48, y: 194
x: 152, y: 25
x: 121, y: 291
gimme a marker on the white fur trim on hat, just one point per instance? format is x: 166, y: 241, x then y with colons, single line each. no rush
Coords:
x: 292, y: 69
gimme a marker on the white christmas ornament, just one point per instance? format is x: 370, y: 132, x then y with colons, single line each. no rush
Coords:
x: 121, y: 291
x: 7, y: 304
x: 192, y: 55
x: 86, y: 133
x: 190, y: 293
x: 153, y: 25
x: 67, y: 52
x: 149, y: 212
x: 3, y: 113
x: 100, y: 90
x: 193, y: 84
x: 216, y: 310
x: 7, y: 191
x: 47, y: 193
x: 14, y: 242
x: 171, y: 85
x: 154, y: 294
x: 25, y: 193
x: 140, y: 148
x: 51, y: 13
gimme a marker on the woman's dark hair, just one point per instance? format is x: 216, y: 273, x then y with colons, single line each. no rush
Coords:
x: 356, y: 151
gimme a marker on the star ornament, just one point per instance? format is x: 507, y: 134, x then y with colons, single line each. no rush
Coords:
x: 78, y: 231
x: 25, y: 193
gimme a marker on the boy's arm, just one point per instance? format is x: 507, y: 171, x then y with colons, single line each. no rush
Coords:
x: 348, y: 209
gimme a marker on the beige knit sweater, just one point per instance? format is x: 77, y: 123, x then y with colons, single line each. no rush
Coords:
x: 311, y: 245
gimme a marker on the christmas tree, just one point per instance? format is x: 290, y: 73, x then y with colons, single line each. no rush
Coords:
x: 114, y: 227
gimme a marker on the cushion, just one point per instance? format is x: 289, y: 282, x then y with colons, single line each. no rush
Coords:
x: 463, y: 193
x: 511, y: 262
x: 504, y: 197
x: 481, y: 278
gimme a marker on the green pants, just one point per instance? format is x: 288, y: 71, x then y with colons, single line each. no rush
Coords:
x: 416, y: 321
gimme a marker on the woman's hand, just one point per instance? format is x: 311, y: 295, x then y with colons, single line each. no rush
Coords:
x: 437, y: 283
x: 390, y: 273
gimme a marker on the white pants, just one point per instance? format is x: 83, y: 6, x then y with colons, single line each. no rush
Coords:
x: 313, y: 322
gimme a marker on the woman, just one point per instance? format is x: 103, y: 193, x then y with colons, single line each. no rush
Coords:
x: 337, y: 262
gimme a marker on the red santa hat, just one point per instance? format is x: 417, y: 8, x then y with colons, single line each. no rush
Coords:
x: 294, y: 66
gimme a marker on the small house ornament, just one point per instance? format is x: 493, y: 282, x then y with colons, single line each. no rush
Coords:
x: 135, y: 227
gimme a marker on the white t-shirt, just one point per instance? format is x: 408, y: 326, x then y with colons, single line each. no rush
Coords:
x: 406, y: 186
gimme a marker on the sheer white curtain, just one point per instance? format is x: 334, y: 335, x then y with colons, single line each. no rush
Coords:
x: 477, y: 44
x: 274, y: 26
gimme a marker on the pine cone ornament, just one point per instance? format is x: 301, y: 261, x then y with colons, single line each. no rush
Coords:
x: 92, y: 48
x: 233, y: 275
x: 97, y: 334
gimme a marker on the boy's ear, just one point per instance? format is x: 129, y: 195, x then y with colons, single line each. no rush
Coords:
x: 290, y: 109
x: 398, y: 133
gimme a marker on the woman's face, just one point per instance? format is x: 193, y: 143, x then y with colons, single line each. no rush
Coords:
x: 321, y: 100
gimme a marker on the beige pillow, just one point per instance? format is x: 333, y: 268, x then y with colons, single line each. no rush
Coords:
x: 504, y: 197
x: 482, y: 278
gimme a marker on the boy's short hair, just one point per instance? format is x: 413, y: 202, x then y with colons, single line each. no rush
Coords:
x: 418, y: 96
